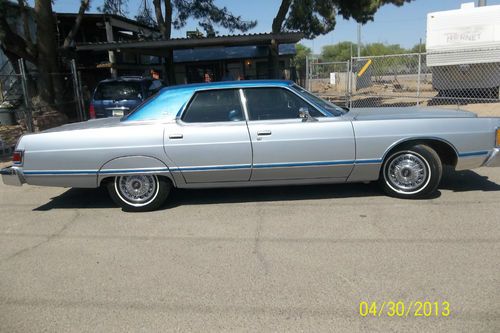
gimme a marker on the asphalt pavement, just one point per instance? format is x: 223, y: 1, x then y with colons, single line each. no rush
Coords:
x: 254, y: 259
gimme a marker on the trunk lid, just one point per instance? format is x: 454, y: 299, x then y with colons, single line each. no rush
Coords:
x: 94, y: 123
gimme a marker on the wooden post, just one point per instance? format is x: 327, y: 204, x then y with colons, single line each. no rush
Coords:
x: 274, y: 64
x: 111, y: 54
x: 169, y: 67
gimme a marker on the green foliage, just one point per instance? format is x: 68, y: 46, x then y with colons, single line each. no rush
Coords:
x: 418, y: 48
x: 338, y: 52
x: 312, y: 17
x: 342, y: 51
x: 375, y: 49
x: 317, y: 17
x: 145, y: 14
x: 116, y: 7
x: 363, y: 10
x: 302, y: 52
x: 208, y: 14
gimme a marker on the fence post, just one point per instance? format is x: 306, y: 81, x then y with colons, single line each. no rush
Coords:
x: 347, y: 83
x: 82, y: 97
x: 418, y: 77
x: 24, y: 84
x: 307, y: 74
x: 76, y: 90
x: 349, y: 75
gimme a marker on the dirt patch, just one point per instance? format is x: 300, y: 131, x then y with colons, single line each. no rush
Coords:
x: 5, y: 161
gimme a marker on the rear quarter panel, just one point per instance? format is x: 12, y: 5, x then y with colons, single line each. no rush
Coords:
x: 74, y: 158
x: 472, y: 138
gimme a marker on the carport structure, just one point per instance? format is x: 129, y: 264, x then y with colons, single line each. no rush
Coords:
x: 220, y: 54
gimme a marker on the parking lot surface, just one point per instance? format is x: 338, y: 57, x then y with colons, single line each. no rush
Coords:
x: 255, y: 259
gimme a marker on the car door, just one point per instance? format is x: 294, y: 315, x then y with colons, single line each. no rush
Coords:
x: 286, y: 146
x: 209, y: 142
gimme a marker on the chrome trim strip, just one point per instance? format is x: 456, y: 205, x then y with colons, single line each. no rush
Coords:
x: 217, y: 167
x: 474, y: 153
x: 373, y: 161
x: 201, y: 168
x: 59, y: 172
x: 494, y: 159
x: 301, y: 164
x: 12, y: 176
x: 407, y: 139
x: 225, y: 167
x: 90, y: 172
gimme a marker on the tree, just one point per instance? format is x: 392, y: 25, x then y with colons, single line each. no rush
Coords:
x: 44, y: 53
x: 339, y: 52
x: 302, y: 52
x: 342, y: 51
x: 115, y: 7
x: 145, y: 16
x: 205, y: 11
x: 418, y: 48
x: 376, y: 49
x: 317, y: 17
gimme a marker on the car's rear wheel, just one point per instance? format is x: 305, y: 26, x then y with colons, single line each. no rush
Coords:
x: 412, y: 172
x: 139, y: 193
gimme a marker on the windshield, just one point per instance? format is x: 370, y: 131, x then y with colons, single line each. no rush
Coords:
x: 118, y: 91
x: 330, y: 107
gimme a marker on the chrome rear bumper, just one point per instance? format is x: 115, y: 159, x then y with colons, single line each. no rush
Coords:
x: 494, y: 159
x: 12, y: 176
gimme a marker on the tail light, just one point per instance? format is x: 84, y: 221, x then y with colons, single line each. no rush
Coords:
x: 17, y: 157
x: 497, y: 137
x: 92, y: 111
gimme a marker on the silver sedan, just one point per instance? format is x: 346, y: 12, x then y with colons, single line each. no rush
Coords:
x: 253, y: 133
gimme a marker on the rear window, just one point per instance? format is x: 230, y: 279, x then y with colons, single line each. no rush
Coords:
x: 118, y: 91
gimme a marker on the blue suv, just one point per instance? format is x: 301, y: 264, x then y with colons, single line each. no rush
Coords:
x: 118, y: 97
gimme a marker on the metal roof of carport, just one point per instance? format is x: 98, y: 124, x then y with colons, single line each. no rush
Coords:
x: 152, y: 47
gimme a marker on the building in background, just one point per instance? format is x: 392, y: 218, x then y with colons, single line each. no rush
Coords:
x: 196, y: 58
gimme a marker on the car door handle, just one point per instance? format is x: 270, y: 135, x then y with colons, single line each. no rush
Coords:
x: 175, y: 136
x: 262, y: 133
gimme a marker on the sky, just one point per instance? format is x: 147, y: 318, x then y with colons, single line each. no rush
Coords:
x: 404, y: 25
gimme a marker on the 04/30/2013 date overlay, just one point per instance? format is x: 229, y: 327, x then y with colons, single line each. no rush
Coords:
x: 404, y: 309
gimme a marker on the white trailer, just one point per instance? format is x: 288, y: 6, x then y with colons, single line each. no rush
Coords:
x: 463, y: 50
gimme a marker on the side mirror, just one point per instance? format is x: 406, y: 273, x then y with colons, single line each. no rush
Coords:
x: 305, y: 115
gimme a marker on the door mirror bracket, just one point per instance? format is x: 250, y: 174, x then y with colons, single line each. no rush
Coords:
x: 305, y: 115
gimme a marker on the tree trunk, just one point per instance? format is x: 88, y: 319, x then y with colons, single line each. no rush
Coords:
x: 47, y: 50
x: 165, y: 25
x: 168, y: 19
x: 72, y: 34
x: 281, y: 15
x: 164, y: 22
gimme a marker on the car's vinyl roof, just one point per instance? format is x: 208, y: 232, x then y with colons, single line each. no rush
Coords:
x: 231, y: 84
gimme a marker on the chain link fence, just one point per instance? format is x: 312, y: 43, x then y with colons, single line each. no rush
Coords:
x: 20, y: 89
x: 421, y: 79
x: 330, y: 80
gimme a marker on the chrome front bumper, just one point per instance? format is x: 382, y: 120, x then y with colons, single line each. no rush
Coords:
x: 12, y: 176
x: 494, y: 159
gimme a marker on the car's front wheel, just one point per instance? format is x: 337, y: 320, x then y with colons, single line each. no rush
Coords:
x: 412, y: 172
x: 139, y: 193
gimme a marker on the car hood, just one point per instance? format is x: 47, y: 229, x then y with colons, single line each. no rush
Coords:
x: 93, y: 123
x: 406, y: 113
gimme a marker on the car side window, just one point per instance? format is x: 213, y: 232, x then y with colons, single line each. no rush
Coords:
x: 214, y: 106
x: 276, y: 103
